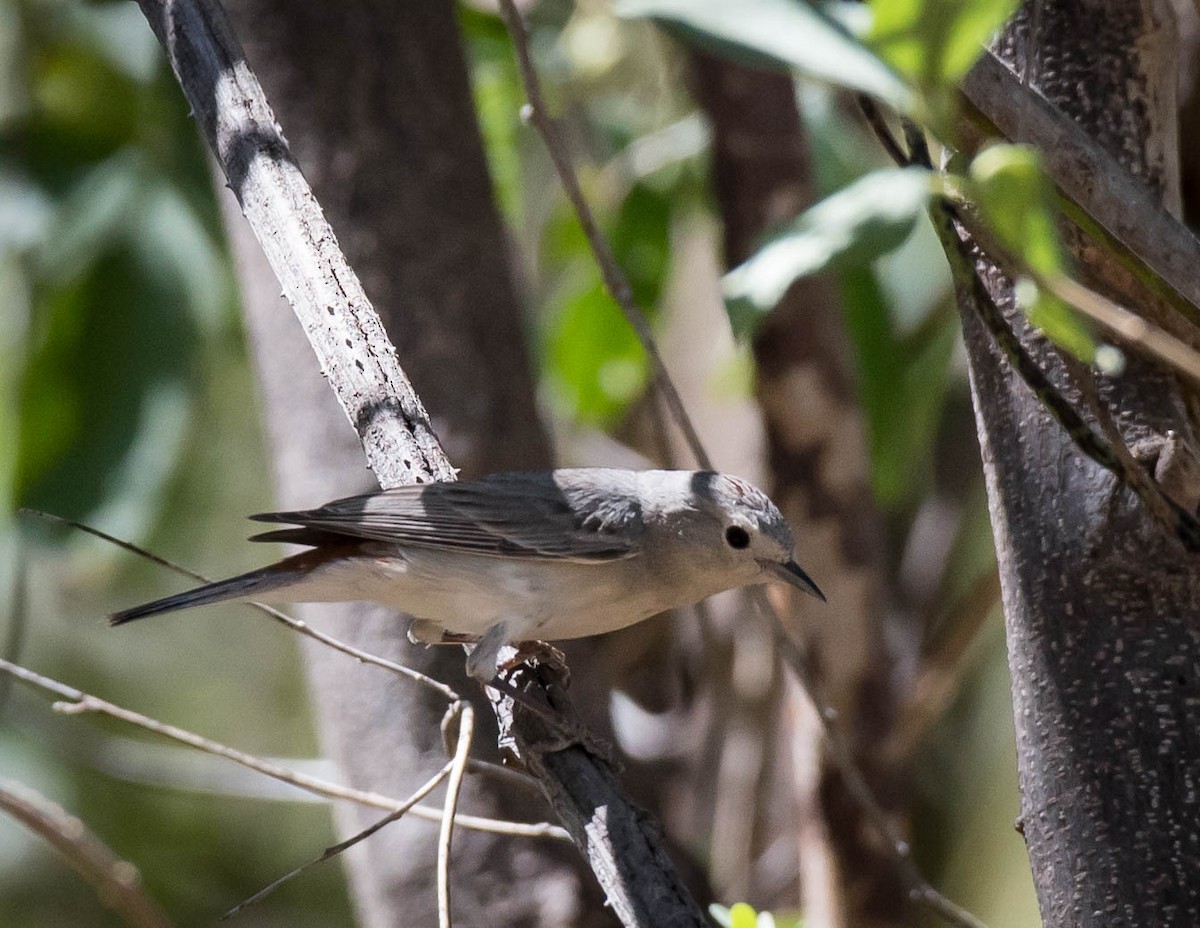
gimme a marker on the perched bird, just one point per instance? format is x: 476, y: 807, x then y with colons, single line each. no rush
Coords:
x: 523, y: 556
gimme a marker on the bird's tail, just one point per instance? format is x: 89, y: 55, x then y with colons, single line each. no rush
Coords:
x: 239, y: 587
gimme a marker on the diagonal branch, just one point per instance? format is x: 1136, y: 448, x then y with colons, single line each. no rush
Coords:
x: 359, y: 361
x: 116, y: 881
x: 1101, y: 196
x: 76, y: 702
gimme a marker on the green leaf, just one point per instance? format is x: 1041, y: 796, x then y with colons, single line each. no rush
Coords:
x: 935, y: 42
x: 1014, y: 197
x: 901, y: 384
x: 778, y: 33
x: 853, y: 226
x: 595, y: 364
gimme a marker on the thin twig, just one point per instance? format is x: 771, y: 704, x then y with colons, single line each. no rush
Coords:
x: 883, y: 132
x: 941, y: 667
x: 919, y: 889
x: 116, y: 881
x: 334, y: 850
x: 294, y: 624
x: 615, y: 280
x: 78, y: 702
x: 458, y: 766
x: 18, y: 620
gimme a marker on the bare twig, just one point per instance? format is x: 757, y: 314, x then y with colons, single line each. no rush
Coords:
x: 428, y: 787
x: 77, y: 701
x: 883, y: 132
x: 458, y: 766
x: 615, y: 280
x: 294, y: 624
x: 18, y: 620
x: 941, y: 667
x: 116, y: 881
x: 919, y: 890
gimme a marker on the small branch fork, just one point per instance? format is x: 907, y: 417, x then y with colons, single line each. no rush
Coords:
x: 920, y: 891
x: 960, y: 231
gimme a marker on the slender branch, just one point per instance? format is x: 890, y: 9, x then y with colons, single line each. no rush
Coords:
x: 345, y: 331
x: 458, y: 766
x: 941, y: 667
x: 919, y: 890
x: 77, y: 702
x: 283, y: 618
x: 18, y: 620
x: 334, y: 850
x: 883, y: 132
x: 615, y: 280
x: 116, y: 881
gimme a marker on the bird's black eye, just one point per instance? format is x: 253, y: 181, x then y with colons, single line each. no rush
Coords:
x: 737, y: 537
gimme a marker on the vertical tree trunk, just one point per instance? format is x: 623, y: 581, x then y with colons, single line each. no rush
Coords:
x: 1102, y: 604
x: 376, y: 104
x: 819, y: 472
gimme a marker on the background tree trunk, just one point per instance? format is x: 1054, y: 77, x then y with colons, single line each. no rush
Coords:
x: 1101, y: 603
x: 819, y: 476
x: 376, y: 104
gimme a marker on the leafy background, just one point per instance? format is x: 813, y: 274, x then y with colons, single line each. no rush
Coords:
x: 124, y: 382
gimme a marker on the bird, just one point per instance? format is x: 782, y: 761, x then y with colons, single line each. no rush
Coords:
x: 522, y: 556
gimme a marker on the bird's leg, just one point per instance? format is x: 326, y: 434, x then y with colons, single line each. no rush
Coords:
x: 481, y: 662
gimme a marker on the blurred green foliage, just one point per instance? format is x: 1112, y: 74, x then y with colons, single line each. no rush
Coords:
x: 124, y: 382
x: 123, y: 385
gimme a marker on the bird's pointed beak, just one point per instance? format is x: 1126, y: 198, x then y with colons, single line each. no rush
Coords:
x: 793, y: 574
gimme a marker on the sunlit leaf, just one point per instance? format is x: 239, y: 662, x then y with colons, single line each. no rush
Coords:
x: 778, y: 33
x: 94, y: 386
x: 935, y: 42
x: 595, y: 364
x: 1015, y: 196
x: 864, y: 220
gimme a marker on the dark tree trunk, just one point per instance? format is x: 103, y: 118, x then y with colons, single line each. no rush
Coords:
x: 375, y: 101
x: 1102, y: 604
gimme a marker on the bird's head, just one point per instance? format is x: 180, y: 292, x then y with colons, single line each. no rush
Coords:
x: 750, y: 531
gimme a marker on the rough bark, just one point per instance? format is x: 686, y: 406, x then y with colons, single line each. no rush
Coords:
x: 818, y: 460
x: 1102, y: 605
x: 379, y: 112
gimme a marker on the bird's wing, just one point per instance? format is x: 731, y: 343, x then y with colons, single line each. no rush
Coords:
x: 507, y: 515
